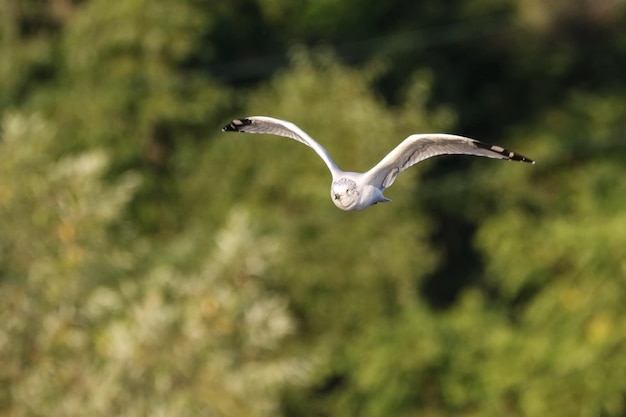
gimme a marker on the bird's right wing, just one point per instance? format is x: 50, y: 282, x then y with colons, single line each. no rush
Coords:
x: 416, y: 148
x: 271, y: 126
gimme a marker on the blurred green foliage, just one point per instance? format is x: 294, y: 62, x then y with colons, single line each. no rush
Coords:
x: 151, y: 265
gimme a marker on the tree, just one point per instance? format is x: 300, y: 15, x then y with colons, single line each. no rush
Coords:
x: 93, y: 322
x: 154, y: 265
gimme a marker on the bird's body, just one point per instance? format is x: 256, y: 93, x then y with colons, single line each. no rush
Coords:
x: 357, y: 191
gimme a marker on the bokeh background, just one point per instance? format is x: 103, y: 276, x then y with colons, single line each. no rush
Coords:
x: 151, y: 265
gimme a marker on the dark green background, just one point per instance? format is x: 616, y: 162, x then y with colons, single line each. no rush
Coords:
x: 151, y: 265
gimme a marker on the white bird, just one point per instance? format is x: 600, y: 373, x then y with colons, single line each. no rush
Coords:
x: 357, y: 191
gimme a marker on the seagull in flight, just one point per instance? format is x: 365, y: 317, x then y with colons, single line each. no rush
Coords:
x: 357, y: 191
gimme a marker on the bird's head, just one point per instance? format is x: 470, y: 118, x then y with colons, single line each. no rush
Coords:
x: 345, y: 194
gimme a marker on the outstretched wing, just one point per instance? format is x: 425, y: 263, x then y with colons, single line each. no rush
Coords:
x: 271, y: 126
x: 416, y: 148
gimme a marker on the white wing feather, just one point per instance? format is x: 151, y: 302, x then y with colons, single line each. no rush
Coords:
x: 416, y: 148
x: 271, y: 126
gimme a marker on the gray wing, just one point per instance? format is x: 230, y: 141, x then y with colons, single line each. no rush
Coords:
x: 271, y: 126
x: 416, y: 148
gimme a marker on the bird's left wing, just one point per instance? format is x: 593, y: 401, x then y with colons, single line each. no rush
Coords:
x: 416, y: 148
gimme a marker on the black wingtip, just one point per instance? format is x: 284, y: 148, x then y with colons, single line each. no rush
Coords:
x: 520, y: 158
x: 509, y: 155
x: 236, y: 125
